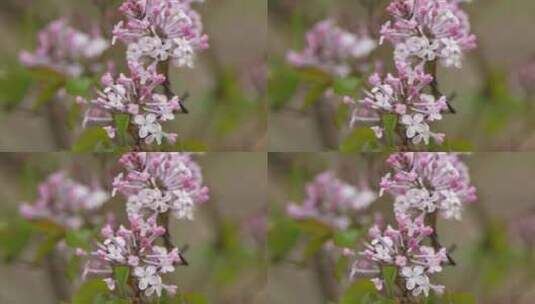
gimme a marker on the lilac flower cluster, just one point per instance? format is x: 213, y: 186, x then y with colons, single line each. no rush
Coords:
x: 401, y: 95
x: 133, y: 95
x: 332, y: 49
x: 161, y: 182
x: 427, y: 183
x: 161, y: 30
x: 332, y: 201
x: 154, y: 184
x: 428, y: 30
x: 402, y: 248
x: 156, y: 32
x: 66, y: 50
x: 65, y: 202
x: 423, y: 184
x: 135, y: 248
x: 422, y: 32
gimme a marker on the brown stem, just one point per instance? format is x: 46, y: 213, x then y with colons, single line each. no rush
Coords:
x: 56, y: 121
x: 163, y: 219
x: 169, y: 91
x: 55, y: 267
x: 432, y: 219
x: 326, y: 279
x: 435, y: 88
x: 328, y: 133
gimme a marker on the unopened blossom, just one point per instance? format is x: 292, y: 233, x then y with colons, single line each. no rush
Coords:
x: 65, y: 50
x: 333, y: 49
x: 134, y: 247
x: 428, y: 30
x: 424, y: 183
x: 161, y: 30
x: 401, y: 247
x: 161, y: 182
x: 134, y: 95
x: 332, y: 201
x: 65, y: 202
x: 401, y: 94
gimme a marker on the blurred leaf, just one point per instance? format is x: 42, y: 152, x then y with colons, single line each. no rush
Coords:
x: 90, y: 291
x: 341, y: 116
x: 360, y: 139
x: 14, y: 85
x: 314, y: 95
x: 79, y: 239
x: 48, y: 227
x: 14, y: 238
x: 47, y: 93
x: 190, y: 298
x: 47, y: 247
x: 282, y: 84
x: 190, y: 146
x: 346, y: 86
x: 389, y: 275
x: 122, y: 121
x: 314, y: 245
x: 46, y: 74
x: 121, y: 275
x: 357, y: 292
x: 341, y: 268
x: 282, y: 237
x: 315, y: 228
x: 390, y: 122
x: 346, y: 239
x: 73, y: 117
x: 73, y: 268
x: 79, y: 86
x: 315, y: 76
x: 90, y: 140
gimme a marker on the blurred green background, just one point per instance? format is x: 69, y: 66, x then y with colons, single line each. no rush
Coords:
x: 226, y: 87
x: 493, y: 113
x: 226, y: 240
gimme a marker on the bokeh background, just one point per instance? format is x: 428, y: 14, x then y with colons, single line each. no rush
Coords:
x: 226, y: 240
x: 494, y: 114
x: 226, y: 88
x: 495, y: 263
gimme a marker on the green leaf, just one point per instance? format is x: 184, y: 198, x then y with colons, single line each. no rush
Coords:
x: 14, y: 85
x: 357, y: 292
x: 390, y: 122
x: 314, y: 246
x: 121, y: 275
x: 190, y: 146
x: 48, y: 227
x: 90, y: 291
x: 282, y: 84
x: 91, y: 139
x: 190, y: 298
x: 122, y: 121
x: 14, y: 238
x: 47, y: 93
x: 360, y: 139
x: 389, y: 276
x: 79, y: 86
x: 314, y: 94
x: 315, y: 228
x: 47, y: 247
x: 73, y: 268
x: 346, y: 239
x: 282, y: 237
x: 79, y: 239
x: 315, y: 76
x: 73, y: 117
x: 346, y: 86
x: 341, y: 268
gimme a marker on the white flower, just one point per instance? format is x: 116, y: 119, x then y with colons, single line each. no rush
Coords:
x: 414, y: 277
x: 417, y: 129
x: 147, y: 124
x: 378, y: 131
x: 156, y: 285
x: 183, y: 205
x: 146, y: 276
x: 451, y: 206
x: 110, y: 283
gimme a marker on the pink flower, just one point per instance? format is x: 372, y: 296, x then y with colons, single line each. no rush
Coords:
x: 65, y: 49
x: 135, y: 248
x: 428, y: 30
x: 161, y: 182
x: 134, y: 95
x: 332, y: 49
x: 332, y: 201
x: 161, y: 30
x: 65, y: 202
x: 401, y: 95
x: 427, y: 183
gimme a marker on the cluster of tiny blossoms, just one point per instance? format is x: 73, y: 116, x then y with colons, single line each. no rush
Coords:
x: 155, y: 32
x: 332, y: 201
x: 135, y: 247
x: 154, y: 183
x: 401, y: 95
x: 332, y: 49
x: 422, y: 32
x: 65, y: 202
x: 429, y: 183
x: 422, y: 184
x: 161, y: 182
x: 133, y: 95
x: 66, y: 50
x: 428, y: 30
x: 161, y: 30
